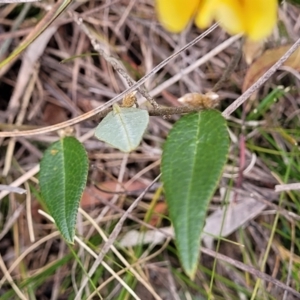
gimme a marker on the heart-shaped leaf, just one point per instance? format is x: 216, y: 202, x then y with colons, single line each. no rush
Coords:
x: 123, y: 128
x: 192, y: 162
x: 63, y: 175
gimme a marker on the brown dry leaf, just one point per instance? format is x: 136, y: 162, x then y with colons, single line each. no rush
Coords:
x: 54, y: 114
x: 159, y: 209
x: 267, y: 60
x: 36, y: 216
x: 92, y: 196
x: 85, y: 104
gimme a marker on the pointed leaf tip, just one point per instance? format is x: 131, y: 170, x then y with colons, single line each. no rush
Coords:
x: 63, y: 175
x: 192, y: 162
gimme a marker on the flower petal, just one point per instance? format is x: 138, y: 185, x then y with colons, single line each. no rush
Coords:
x: 261, y: 17
x: 256, y: 18
x: 174, y: 15
x: 206, y: 13
x: 228, y: 12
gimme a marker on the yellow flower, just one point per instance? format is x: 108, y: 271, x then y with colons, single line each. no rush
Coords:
x: 255, y: 18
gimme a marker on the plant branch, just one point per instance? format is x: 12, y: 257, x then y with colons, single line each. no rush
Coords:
x: 116, y: 64
x: 99, y: 109
x: 161, y: 111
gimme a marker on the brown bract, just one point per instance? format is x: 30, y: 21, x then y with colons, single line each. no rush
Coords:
x: 197, y: 100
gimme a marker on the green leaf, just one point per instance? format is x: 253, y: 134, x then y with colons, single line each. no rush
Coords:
x: 192, y: 162
x: 266, y: 103
x: 123, y: 128
x: 63, y: 175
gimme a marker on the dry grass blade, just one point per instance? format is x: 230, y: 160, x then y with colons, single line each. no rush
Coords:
x: 10, y: 280
x: 99, y: 109
x: 12, y: 189
x: 251, y: 270
x: 118, y: 254
x: 112, y: 238
x: 90, y: 251
x: 49, y: 18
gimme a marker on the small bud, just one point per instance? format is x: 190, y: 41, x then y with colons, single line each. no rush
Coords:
x: 129, y: 100
x: 209, y: 100
x: 68, y: 131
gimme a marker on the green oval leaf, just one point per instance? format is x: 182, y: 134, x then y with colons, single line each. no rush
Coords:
x: 123, y: 128
x: 63, y: 175
x: 192, y: 162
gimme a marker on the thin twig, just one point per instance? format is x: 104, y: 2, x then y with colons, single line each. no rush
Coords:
x: 287, y: 187
x: 12, y: 189
x: 168, y: 111
x: 161, y: 111
x: 10, y: 280
x: 118, y: 254
x: 90, y: 251
x: 116, y: 64
x: 195, y: 65
x: 250, y: 270
x: 99, y: 109
x: 228, y: 71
